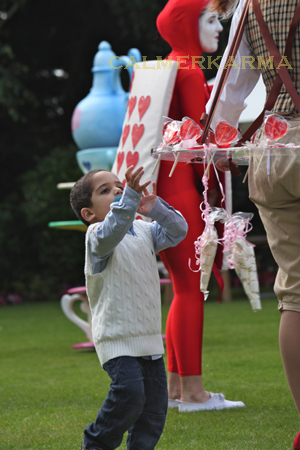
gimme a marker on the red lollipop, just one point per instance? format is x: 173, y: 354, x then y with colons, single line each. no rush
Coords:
x: 167, y: 121
x: 275, y: 127
x: 171, y: 133
x: 225, y: 134
x: 189, y: 129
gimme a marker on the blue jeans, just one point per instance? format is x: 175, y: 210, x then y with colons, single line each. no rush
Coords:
x: 137, y: 402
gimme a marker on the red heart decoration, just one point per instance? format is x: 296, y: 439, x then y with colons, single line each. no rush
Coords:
x: 131, y: 105
x: 125, y: 134
x: 132, y: 159
x: 120, y: 159
x: 275, y: 127
x: 171, y: 135
x: 143, y: 105
x: 189, y: 130
x: 225, y: 134
x: 138, y: 218
x: 136, y: 134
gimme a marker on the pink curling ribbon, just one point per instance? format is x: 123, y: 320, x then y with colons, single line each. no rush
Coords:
x: 238, y: 252
x: 205, y: 249
x: 236, y: 228
x: 206, y: 244
x: 209, y: 234
x: 239, y: 255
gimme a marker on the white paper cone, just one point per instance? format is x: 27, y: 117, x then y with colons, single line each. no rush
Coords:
x: 207, y: 257
x: 243, y: 255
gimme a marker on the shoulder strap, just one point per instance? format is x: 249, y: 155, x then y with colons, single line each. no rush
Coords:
x: 206, y: 119
x: 283, y: 77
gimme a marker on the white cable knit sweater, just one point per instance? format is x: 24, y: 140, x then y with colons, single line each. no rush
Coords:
x: 125, y: 299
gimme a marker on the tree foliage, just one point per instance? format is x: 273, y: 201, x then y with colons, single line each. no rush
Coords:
x: 46, y: 55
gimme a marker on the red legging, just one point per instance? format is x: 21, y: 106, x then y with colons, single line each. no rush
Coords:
x: 185, y: 319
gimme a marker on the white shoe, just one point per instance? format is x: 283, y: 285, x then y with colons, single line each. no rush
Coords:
x: 216, y: 401
x: 173, y: 403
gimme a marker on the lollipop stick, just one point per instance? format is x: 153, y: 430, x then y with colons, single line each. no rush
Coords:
x: 245, y: 177
x: 210, y: 160
x: 156, y: 165
x: 174, y: 165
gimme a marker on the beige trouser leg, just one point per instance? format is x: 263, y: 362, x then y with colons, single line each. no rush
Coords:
x: 277, y: 197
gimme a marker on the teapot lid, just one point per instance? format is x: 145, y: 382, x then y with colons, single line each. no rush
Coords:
x: 103, y: 56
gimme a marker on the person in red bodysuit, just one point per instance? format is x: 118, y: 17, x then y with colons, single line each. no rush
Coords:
x: 178, y: 24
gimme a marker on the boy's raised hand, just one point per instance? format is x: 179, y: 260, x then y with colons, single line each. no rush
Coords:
x: 133, y: 179
x: 147, y: 200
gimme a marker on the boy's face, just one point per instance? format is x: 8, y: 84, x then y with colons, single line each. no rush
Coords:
x: 106, y: 186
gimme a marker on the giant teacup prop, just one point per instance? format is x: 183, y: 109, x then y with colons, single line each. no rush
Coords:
x: 67, y: 302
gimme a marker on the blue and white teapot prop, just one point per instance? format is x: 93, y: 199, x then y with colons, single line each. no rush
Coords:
x: 98, y: 119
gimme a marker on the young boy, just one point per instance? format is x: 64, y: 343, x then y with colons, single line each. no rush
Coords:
x: 124, y: 294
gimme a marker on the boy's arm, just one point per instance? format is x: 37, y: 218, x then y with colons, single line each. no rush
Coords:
x: 169, y: 227
x: 105, y: 236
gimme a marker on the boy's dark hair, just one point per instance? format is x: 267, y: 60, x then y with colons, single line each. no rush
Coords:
x: 81, y: 193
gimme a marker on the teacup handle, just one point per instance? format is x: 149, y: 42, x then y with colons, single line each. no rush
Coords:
x: 67, y: 302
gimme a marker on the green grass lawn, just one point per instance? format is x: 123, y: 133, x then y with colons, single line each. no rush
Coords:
x: 50, y: 392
